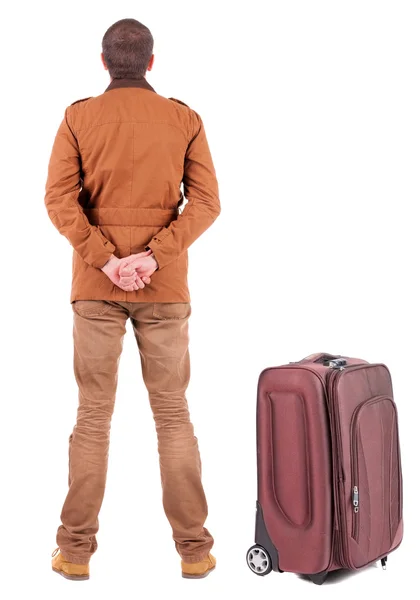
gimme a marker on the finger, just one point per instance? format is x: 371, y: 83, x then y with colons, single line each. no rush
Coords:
x: 128, y: 274
x: 131, y: 276
x: 136, y: 263
x: 133, y: 257
x: 126, y: 270
x: 130, y: 288
x: 146, y: 280
x: 134, y: 286
x: 128, y: 280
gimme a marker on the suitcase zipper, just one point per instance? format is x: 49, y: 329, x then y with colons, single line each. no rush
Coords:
x: 337, y: 464
x: 355, y: 526
x: 354, y: 458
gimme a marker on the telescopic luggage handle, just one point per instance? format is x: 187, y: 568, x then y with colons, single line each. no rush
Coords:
x: 329, y: 360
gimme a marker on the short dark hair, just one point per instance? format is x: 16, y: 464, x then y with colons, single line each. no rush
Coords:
x: 127, y: 47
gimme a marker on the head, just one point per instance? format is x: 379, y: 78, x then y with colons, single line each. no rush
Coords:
x: 127, y: 50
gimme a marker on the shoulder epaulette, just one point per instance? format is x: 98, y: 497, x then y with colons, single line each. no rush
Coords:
x: 82, y: 100
x: 179, y: 101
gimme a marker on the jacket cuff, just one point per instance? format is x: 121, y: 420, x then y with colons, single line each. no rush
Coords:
x: 161, y: 252
x: 101, y: 250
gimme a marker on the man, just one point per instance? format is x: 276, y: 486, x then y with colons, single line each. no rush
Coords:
x: 113, y: 190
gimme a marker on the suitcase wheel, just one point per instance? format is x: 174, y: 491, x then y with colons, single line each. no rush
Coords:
x: 258, y: 560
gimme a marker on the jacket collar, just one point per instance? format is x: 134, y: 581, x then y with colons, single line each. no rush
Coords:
x: 125, y: 83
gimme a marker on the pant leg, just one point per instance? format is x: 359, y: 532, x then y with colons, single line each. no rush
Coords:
x: 161, y: 331
x: 98, y: 332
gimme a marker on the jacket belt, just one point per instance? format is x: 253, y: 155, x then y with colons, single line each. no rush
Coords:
x: 133, y: 217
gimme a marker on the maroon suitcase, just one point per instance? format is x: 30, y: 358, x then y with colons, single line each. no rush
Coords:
x: 329, y: 467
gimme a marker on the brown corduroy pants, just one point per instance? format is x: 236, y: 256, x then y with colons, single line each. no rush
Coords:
x: 161, y: 331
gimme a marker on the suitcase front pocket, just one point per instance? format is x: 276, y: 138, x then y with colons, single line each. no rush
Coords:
x: 375, y: 475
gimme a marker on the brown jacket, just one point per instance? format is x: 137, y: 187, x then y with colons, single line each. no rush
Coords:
x: 113, y: 187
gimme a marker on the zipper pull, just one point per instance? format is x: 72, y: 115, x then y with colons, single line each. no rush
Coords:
x: 356, y: 499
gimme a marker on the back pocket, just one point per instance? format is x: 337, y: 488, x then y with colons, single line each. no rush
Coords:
x: 91, y: 308
x: 168, y: 311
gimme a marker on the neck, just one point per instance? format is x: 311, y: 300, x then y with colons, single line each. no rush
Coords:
x: 125, y: 82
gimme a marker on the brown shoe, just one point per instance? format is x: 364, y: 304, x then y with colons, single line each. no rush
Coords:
x: 200, y: 569
x: 67, y: 569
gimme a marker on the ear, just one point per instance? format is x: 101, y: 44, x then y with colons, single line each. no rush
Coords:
x: 151, y: 62
x: 103, y: 61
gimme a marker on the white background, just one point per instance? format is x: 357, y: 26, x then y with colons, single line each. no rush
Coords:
x: 312, y: 114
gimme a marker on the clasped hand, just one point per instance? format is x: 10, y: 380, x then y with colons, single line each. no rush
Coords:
x: 132, y: 272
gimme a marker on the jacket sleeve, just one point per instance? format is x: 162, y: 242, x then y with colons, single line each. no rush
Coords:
x: 203, y: 206
x: 61, y: 199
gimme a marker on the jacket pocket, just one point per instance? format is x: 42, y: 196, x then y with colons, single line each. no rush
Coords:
x: 169, y: 311
x: 376, y: 477
x: 91, y: 308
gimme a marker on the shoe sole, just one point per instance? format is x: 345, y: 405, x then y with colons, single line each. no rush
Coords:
x: 186, y: 576
x: 72, y: 577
